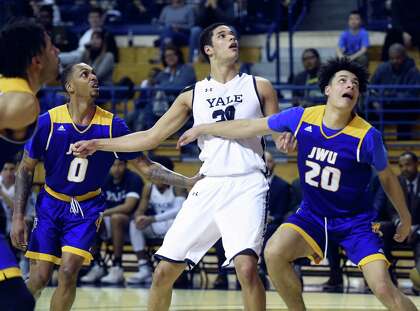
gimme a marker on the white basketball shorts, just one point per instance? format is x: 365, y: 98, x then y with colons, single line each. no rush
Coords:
x: 233, y: 208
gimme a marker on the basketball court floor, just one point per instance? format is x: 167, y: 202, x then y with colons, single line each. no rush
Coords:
x: 125, y: 299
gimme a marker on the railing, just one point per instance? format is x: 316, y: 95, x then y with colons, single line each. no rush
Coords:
x: 382, y: 105
x: 273, y: 55
x: 293, y: 24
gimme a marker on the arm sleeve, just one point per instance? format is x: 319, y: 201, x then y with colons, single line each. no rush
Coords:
x: 365, y: 39
x: 37, y: 144
x: 286, y: 120
x: 119, y: 128
x: 134, y: 187
x: 373, y: 150
x: 172, y: 212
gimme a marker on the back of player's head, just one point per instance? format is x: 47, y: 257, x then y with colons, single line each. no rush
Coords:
x: 334, y: 65
x: 206, y: 35
x: 19, y: 42
x: 165, y: 161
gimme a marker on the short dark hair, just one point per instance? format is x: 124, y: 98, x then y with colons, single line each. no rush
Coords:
x: 313, y: 51
x: 177, y: 51
x: 206, y: 35
x: 412, y: 155
x: 97, y: 9
x: 66, y: 75
x: 334, y: 65
x: 163, y: 160
x: 8, y: 161
x: 19, y: 42
x: 356, y: 12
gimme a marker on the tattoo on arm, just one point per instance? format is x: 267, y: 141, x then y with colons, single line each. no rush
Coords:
x: 159, y: 173
x: 23, y: 184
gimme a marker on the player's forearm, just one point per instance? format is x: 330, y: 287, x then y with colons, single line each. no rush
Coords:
x: 23, y: 185
x: 395, y: 194
x: 160, y: 174
x: 138, y: 141
x: 245, y: 128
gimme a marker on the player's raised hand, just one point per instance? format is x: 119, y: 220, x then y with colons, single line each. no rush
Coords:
x: 84, y: 148
x: 286, y: 142
x: 19, y: 233
x: 403, y: 230
x: 188, y: 137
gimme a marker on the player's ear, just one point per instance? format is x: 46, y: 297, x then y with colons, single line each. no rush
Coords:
x: 327, y: 90
x: 208, y: 49
x: 69, y: 87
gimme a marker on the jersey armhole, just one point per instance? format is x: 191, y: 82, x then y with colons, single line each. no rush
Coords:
x: 258, y: 95
x: 187, y: 89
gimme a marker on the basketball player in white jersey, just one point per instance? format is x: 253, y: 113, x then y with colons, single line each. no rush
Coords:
x: 229, y: 202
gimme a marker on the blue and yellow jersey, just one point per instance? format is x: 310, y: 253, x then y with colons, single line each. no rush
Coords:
x: 9, y: 143
x: 65, y: 173
x: 334, y: 165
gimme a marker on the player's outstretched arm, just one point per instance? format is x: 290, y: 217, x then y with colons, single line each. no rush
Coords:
x: 168, y: 124
x: 395, y: 194
x: 245, y: 128
x: 17, y: 110
x: 23, y: 184
x: 157, y: 173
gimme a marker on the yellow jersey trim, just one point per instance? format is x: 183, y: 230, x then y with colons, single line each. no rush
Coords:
x: 43, y: 257
x: 9, y: 273
x: 307, y: 238
x: 61, y: 115
x: 373, y: 257
x: 15, y: 85
x: 77, y: 251
x: 67, y: 198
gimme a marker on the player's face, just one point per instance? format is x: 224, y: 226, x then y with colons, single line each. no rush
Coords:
x: 84, y: 83
x: 49, y: 61
x: 408, y: 167
x: 343, y: 90
x: 118, y: 169
x: 8, y: 172
x: 225, y: 44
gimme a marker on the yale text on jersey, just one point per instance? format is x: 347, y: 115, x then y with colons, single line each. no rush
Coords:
x: 220, y: 101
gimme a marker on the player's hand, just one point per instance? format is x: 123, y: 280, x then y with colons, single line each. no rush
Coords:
x: 19, y: 233
x: 143, y: 221
x: 403, y: 230
x: 188, y: 137
x: 286, y: 142
x: 84, y: 148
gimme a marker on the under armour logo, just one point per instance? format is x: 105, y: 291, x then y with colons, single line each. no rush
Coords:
x: 194, y: 194
x: 209, y: 89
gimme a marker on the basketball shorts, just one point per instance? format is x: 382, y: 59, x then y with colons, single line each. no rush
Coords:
x: 232, y: 208
x: 354, y: 234
x: 8, y: 264
x: 58, y: 229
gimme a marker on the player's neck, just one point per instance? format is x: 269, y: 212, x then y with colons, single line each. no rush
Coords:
x: 223, y: 73
x: 81, y: 112
x: 34, y: 81
x: 335, y: 118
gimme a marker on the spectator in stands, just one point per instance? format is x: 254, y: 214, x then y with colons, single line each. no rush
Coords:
x: 175, y: 76
x: 55, y: 10
x: 354, y: 42
x: 209, y: 12
x: 155, y: 214
x: 137, y: 11
x: 399, y: 70
x: 97, y: 56
x: 96, y: 22
x: 177, y: 19
x: 63, y: 39
x: 7, y: 191
x: 308, y: 77
x: 122, y: 189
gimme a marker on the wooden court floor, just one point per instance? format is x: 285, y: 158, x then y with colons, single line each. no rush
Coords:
x: 125, y: 299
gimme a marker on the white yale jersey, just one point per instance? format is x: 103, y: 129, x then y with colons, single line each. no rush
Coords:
x: 214, y: 102
x: 161, y: 202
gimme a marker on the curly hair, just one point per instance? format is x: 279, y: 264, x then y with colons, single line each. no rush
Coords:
x: 328, y: 71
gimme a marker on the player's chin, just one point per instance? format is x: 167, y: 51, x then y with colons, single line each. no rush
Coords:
x: 94, y: 93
